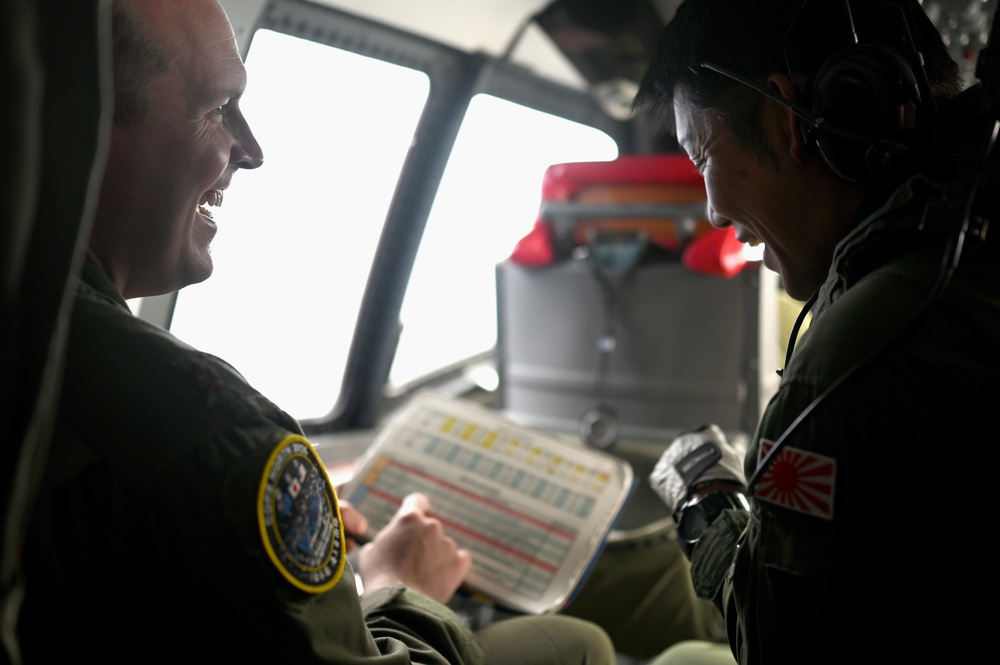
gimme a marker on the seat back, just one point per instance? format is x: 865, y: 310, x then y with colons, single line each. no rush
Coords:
x: 667, y: 343
x: 53, y: 129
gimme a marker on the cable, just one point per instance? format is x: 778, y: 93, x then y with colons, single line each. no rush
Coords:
x: 599, y: 423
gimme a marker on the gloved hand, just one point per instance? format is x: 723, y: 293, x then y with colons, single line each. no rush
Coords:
x: 695, y: 457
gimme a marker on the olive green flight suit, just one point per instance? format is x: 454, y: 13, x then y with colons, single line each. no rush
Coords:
x: 184, y: 517
x: 866, y: 541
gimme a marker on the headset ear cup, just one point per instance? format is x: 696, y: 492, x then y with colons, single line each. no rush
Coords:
x: 857, y: 93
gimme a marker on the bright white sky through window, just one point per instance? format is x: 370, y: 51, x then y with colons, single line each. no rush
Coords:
x: 489, y: 198
x: 297, y: 236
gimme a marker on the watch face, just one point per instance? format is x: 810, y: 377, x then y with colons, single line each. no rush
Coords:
x: 692, y: 523
x: 696, y: 516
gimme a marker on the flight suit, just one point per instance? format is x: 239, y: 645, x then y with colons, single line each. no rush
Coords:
x: 184, y: 516
x: 865, y: 539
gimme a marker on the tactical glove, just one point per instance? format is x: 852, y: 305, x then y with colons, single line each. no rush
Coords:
x: 692, y: 458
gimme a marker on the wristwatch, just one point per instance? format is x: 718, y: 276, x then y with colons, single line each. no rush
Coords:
x: 695, y: 514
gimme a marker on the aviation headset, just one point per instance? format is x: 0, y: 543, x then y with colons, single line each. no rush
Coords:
x: 851, y: 109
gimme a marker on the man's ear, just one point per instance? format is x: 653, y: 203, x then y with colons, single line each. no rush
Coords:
x: 781, y: 84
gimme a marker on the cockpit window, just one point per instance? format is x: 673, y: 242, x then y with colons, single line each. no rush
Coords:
x: 488, y: 199
x: 297, y: 237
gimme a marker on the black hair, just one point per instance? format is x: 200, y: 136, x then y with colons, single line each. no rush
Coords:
x: 137, y: 58
x: 756, y: 38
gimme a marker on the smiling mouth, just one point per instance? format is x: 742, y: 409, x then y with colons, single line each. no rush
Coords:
x: 211, y: 198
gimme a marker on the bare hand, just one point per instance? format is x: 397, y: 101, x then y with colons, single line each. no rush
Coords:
x: 413, y: 549
x: 355, y: 524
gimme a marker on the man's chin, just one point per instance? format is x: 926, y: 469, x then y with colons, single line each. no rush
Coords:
x: 769, y: 261
x: 200, y: 271
x: 197, y: 268
x: 788, y: 282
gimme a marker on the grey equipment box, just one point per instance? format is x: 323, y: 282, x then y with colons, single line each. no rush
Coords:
x: 689, y: 348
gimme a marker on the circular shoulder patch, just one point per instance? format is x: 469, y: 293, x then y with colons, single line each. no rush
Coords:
x: 299, y: 517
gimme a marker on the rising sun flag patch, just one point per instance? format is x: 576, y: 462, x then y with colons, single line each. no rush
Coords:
x: 798, y: 480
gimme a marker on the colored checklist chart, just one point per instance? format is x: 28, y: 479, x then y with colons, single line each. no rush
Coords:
x: 533, y: 508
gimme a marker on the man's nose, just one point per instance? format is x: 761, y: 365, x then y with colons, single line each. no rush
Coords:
x: 247, y: 153
x: 715, y: 219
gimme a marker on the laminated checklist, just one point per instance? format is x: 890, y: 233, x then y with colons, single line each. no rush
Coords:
x: 534, y: 508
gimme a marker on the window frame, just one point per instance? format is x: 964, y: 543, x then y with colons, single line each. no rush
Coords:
x: 455, y: 78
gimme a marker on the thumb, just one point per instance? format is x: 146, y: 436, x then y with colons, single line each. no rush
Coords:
x: 415, y: 502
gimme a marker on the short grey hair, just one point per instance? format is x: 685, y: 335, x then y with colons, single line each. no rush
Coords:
x: 137, y: 57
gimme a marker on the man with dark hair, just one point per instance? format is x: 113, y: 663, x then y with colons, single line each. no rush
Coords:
x: 837, y: 134
x: 183, y: 516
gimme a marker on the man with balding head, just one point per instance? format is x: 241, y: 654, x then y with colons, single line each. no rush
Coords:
x: 183, y: 515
